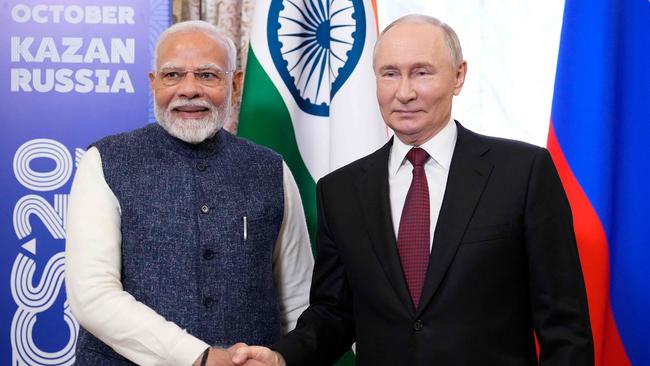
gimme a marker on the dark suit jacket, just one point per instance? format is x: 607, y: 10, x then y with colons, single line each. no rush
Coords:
x: 504, y: 266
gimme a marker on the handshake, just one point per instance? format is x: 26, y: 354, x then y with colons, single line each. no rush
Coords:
x: 240, y: 354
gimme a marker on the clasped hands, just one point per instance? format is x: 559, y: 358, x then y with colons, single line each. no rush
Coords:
x: 241, y: 354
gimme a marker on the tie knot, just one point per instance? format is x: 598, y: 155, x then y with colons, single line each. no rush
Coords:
x: 417, y: 156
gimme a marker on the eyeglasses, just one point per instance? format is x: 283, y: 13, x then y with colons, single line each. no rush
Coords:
x: 206, y: 77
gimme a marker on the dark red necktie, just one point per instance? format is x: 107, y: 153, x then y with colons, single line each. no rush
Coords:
x: 414, y: 227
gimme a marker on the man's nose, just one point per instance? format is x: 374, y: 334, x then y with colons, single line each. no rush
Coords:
x: 190, y: 87
x: 405, y: 91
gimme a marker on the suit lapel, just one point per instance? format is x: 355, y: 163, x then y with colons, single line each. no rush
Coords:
x: 375, y: 203
x: 468, y: 174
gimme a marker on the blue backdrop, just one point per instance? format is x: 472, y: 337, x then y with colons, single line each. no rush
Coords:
x: 70, y: 73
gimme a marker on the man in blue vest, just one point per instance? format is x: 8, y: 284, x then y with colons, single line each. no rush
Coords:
x: 183, y: 239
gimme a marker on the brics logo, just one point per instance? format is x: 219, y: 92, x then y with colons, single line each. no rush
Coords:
x: 36, y: 289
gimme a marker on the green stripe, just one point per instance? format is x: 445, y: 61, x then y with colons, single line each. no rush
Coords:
x: 264, y: 119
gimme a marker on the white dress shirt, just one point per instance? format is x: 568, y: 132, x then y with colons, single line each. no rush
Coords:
x: 400, y: 173
x: 131, y: 328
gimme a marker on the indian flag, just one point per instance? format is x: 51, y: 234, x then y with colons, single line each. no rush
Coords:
x: 309, y: 89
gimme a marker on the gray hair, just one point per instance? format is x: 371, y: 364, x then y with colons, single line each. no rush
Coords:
x: 453, y: 43
x: 201, y: 27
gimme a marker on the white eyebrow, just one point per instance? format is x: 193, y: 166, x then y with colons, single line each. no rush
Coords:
x: 167, y: 65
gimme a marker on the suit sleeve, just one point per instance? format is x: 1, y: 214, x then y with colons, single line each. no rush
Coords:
x: 557, y: 292
x: 326, y: 329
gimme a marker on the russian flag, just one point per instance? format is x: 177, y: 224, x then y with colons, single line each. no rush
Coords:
x: 600, y: 141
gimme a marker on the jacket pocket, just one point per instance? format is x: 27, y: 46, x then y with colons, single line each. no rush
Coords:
x: 484, y: 234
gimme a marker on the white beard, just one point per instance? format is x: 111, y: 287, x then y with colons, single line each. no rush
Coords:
x: 193, y: 131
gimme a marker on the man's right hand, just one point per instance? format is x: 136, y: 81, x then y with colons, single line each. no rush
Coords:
x: 257, y: 356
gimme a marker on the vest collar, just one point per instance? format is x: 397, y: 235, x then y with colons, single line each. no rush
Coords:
x: 202, y: 150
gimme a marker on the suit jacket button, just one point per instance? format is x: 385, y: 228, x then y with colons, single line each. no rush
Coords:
x: 417, y: 326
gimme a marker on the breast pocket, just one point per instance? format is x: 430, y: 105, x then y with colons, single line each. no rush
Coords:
x: 262, y: 228
x: 485, y: 234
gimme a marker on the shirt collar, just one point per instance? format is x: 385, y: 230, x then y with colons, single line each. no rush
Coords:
x: 440, y: 147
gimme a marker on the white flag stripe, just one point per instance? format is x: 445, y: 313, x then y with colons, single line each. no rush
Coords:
x: 313, y: 131
x: 357, y: 128
x: 354, y: 127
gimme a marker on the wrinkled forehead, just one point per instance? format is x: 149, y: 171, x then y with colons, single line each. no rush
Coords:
x: 170, y: 66
x: 412, y: 42
x: 192, y: 49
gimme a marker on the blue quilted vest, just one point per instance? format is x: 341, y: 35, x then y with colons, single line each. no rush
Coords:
x: 185, y: 252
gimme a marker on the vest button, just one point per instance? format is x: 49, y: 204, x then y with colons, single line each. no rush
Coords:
x: 208, y: 254
x: 417, y: 326
x: 208, y: 302
x: 201, y: 166
x: 205, y: 209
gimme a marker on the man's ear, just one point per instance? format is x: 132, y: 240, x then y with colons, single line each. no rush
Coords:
x: 461, y: 71
x: 237, y: 81
x: 152, y: 79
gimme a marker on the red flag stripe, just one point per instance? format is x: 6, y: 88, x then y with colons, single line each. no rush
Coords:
x: 594, y: 256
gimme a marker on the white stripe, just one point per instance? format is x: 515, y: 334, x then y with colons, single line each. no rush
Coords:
x: 355, y: 128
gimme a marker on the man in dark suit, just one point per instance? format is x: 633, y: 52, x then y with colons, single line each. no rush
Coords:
x: 444, y: 247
